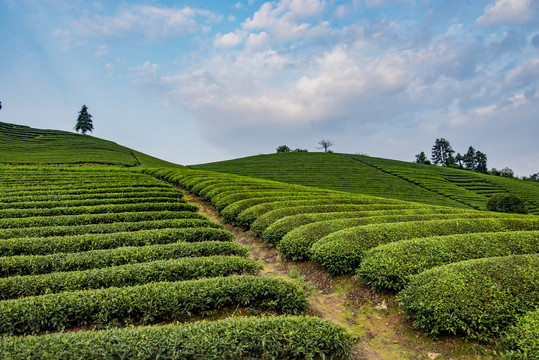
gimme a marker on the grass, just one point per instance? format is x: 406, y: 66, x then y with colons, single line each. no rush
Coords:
x: 25, y: 145
x: 381, y: 177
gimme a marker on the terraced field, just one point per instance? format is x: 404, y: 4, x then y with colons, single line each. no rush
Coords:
x: 378, y: 239
x: 122, y: 254
x: 381, y: 177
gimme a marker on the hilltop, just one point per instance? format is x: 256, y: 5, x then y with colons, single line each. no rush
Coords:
x: 393, y: 179
x: 25, y: 145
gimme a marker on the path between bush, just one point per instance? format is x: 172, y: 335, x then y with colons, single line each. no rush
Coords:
x: 383, y: 332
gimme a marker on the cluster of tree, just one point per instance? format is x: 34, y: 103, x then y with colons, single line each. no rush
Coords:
x: 324, y: 144
x: 507, y: 203
x: 285, y: 149
x: 443, y: 154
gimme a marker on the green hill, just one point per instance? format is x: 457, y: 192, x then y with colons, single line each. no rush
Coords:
x: 381, y: 177
x: 25, y: 145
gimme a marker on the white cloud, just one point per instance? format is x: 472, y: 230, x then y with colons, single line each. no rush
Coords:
x: 102, y: 50
x: 227, y: 41
x: 506, y: 12
x: 150, y: 21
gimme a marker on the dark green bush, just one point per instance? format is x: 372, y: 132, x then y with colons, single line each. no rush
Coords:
x: 521, y: 341
x: 126, y: 275
x: 475, y: 298
x: 282, y: 337
x: 33, y: 265
x: 146, y: 303
x: 506, y: 203
x: 342, y: 251
x: 390, y: 266
x: 87, y: 242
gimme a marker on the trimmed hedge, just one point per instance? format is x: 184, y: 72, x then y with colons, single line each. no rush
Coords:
x: 86, y: 219
x: 342, y: 251
x: 263, y: 222
x: 390, y: 266
x: 146, y: 303
x: 89, y: 202
x: 98, y: 209
x: 521, y: 341
x: 274, y: 233
x: 475, y: 298
x: 33, y: 265
x: 283, y: 337
x: 126, y: 275
x: 47, y: 231
x: 222, y: 201
x: 78, y: 243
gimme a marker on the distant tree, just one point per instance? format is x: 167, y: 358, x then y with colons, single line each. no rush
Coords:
x: 84, y: 121
x: 300, y: 150
x: 325, y: 144
x: 459, y: 159
x: 421, y: 158
x: 283, y: 149
x: 494, y: 172
x: 0, y: 105
x: 534, y: 177
x: 442, y: 153
x: 507, y: 172
x: 480, y: 162
x: 469, y: 158
x: 507, y: 203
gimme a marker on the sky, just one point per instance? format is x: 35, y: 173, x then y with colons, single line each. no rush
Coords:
x: 200, y: 81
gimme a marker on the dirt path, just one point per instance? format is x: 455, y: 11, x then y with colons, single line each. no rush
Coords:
x: 383, y: 332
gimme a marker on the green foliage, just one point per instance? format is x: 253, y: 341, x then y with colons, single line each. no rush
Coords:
x: 283, y: 337
x: 84, y: 121
x: 146, y: 303
x: 442, y: 153
x: 87, y: 242
x: 342, y: 251
x: 25, y: 145
x: 521, y: 341
x: 283, y: 149
x: 32, y: 264
x: 475, y: 298
x: 47, y: 231
x: 506, y: 203
x: 390, y: 266
x: 126, y: 275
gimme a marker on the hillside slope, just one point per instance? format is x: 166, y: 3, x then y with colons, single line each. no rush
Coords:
x: 25, y: 145
x: 380, y: 177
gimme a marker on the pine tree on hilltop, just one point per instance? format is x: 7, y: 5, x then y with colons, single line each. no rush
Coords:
x: 84, y: 121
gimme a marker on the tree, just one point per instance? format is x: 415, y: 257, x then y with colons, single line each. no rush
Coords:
x: 480, y: 162
x: 84, y: 121
x: 421, y: 158
x: 459, y: 159
x: 507, y: 172
x: 507, y: 203
x: 325, y: 144
x: 469, y: 158
x: 283, y: 149
x: 442, y: 153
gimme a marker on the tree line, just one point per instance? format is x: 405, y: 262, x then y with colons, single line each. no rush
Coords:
x: 442, y: 154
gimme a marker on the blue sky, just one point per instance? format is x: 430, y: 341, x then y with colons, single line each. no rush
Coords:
x: 201, y: 81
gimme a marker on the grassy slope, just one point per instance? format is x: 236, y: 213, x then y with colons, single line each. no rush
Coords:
x: 25, y: 145
x: 380, y: 177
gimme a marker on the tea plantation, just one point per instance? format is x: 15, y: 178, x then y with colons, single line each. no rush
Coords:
x: 112, y: 262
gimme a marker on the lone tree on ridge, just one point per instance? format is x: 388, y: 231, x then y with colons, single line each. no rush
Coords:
x: 84, y: 121
x: 325, y: 144
x: 442, y: 153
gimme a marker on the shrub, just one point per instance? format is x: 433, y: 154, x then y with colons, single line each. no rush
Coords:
x: 126, y: 275
x: 47, y: 231
x: 521, y: 341
x: 87, y: 242
x: 146, y: 303
x: 390, y: 266
x: 342, y: 251
x: 507, y: 203
x: 475, y: 298
x: 283, y: 337
x: 33, y: 265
